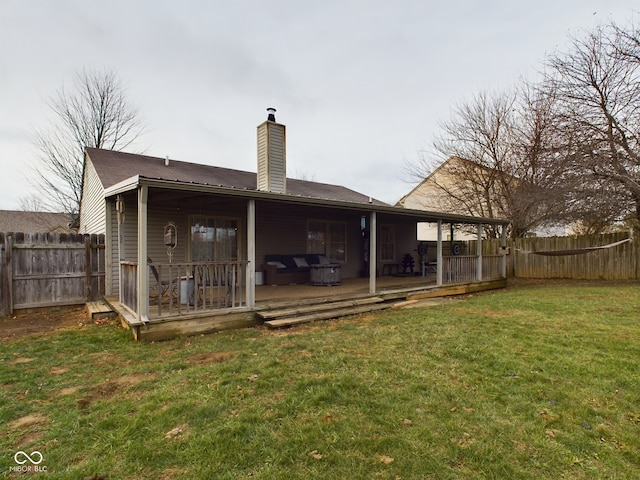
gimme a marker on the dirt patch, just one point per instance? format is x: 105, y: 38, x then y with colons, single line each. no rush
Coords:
x: 20, y: 360
x: 134, y: 378
x: 66, y: 391
x: 209, y: 358
x: 42, y: 321
x: 30, y: 426
x: 27, y: 421
x: 112, y: 388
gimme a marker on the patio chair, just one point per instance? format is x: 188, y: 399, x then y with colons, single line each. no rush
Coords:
x: 161, y: 286
x: 429, y: 268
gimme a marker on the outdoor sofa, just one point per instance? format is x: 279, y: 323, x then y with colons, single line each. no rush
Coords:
x: 285, y: 269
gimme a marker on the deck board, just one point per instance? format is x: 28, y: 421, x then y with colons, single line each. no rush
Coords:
x: 297, y: 310
x: 326, y: 315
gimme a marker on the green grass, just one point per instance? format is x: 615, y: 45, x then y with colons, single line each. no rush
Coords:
x: 541, y: 381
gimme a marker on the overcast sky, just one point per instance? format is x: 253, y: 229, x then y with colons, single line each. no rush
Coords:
x: 361, y: 85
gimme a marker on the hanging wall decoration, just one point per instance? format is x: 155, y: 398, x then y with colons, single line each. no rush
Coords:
x: 170, y: 238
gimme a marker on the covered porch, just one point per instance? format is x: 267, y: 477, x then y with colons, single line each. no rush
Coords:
x: 206, y: 286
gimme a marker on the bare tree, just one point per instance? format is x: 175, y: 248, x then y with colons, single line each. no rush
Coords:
x: 566, y: 150
x: 31, y: 203
x: 597, y: 83
x: 94, y: 114
x: 499, y: 161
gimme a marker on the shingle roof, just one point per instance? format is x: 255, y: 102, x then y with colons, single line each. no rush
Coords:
x: 114, y: 167
x: 34, y: 222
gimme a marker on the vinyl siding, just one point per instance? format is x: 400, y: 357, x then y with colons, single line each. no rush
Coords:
x: 92, y: 203
x: 272, y: 164
x: 282, y: 230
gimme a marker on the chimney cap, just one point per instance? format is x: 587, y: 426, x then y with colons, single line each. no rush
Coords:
x: 271, y: 114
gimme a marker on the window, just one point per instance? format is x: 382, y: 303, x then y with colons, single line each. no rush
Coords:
x: 387, y: 243
x: 214, y: 238
x: 328, y: 238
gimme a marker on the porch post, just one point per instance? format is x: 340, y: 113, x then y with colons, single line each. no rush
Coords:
x: 503, y: 266
x: 373, y: 252
x: 251, y: 253
x: 479, y: 254
x: 143, y: 269
x: 108, y: 239
x: 119, y: 208
x: 439, y: 266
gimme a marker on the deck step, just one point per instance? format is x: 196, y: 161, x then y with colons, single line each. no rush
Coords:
x: 326, y: 314
x: 98, y: 309
x: 304, y: 309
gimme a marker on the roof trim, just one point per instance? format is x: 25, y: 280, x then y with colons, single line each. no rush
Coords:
x: 136, y: 181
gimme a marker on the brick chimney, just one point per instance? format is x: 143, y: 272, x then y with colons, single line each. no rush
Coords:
x: 272, y: 155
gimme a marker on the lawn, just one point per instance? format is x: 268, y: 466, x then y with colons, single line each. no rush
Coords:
x: 540, y: 380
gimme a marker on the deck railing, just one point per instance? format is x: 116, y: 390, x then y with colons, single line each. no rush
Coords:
x: 464, y: 268
x: 459, y: 269
x: 183, y: 288
x: 129, y: 285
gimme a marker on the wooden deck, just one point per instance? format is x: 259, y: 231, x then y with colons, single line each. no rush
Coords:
x: 350, y: 287
x: 288, y: 305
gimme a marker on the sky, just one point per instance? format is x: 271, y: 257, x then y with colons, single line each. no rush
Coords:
x: 362, y: 86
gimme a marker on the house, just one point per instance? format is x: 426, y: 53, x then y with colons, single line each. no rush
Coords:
x: 188, y: 246
x: 446, y: 190
x: 34, y: 222
x: 464, y: 187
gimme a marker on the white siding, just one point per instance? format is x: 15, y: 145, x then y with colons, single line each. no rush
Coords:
x: 92, y: 203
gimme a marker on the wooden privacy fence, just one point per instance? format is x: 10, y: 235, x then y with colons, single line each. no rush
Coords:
x: 613, y: 256
x: 43, y: 270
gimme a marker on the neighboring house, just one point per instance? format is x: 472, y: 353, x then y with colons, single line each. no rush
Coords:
x: 444, y: 191
x: 460, y: 186
x: 187, y: 218
x: 34, y: 222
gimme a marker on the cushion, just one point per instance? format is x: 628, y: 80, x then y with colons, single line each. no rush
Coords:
x: 301, y: 262
x: 277, y: 264
x: 323, y: 260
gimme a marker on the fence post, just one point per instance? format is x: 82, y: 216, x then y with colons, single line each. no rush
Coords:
x: 503, y: 250
x: 8, y: 268
x: 3, y: 278
x: 635, y: 242
x: 479, y: 253
x: 87, y: 265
